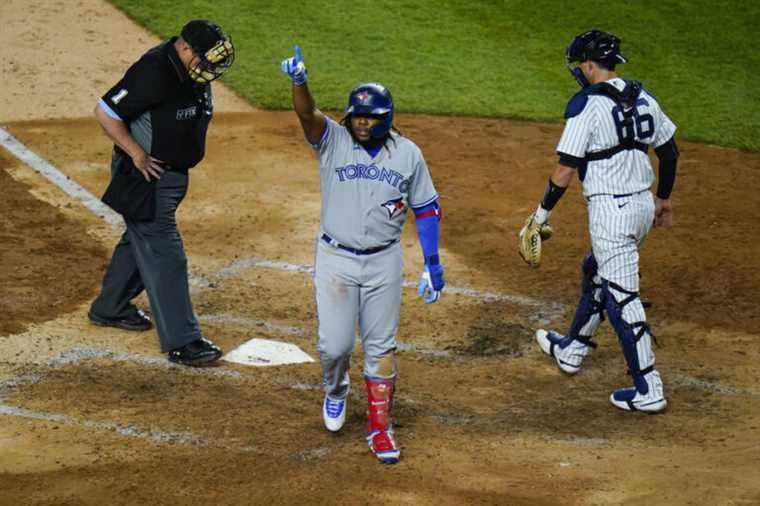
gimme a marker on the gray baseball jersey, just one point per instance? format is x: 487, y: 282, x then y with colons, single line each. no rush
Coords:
x: 592, y: 126
x: 365, y: 198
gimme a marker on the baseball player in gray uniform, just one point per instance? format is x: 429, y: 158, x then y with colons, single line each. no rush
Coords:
x: 610, y: 125
x: 370, y: 175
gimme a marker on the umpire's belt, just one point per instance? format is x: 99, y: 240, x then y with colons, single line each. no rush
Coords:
x: 329, y: 240
x: 172, y: 168
x: 609, y: 153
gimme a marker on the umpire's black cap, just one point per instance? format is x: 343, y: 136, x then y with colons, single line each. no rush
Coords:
x: 202, y: 35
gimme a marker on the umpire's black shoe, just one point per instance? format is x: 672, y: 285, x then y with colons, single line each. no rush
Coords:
x: 137, y: 321
x: 197, y: 353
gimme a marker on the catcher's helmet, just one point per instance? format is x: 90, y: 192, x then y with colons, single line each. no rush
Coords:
x: 212, y: 46
x: 373, y: 99
x: 595, y: 45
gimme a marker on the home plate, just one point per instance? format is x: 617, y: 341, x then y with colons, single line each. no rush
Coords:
x: 263, y: 352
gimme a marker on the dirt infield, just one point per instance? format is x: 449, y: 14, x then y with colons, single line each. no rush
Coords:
x: 96, y: 416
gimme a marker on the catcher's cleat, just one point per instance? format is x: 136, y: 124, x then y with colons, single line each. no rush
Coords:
x: 383, y: 445
x: 197, y: 353
x: 136, y: 321
x: 568, y: 352
x: 334, y: 413
x: 648, y: 397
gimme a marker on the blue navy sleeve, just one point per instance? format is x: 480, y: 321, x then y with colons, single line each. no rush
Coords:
x: 576, y: 105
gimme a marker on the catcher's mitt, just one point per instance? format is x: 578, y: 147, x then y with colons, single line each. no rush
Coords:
x: 531, y: 236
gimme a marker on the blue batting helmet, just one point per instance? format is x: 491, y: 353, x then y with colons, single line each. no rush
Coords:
x: 373, y: 99
x: 595, y: 45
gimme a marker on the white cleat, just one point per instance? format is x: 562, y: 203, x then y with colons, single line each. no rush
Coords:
x: 630, y: 399
x: 334, y: 413
x: 568, y: 358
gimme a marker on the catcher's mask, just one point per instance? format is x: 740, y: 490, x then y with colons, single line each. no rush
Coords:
x: 372, y: 99
x: 213, y: 50
x: 597, y: 46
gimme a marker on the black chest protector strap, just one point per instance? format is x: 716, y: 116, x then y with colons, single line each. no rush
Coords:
x: 626, y: 100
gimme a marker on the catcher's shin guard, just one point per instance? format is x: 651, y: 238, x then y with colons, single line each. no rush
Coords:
x: 380, y: 437
x: 570, y: 350
x: 590, y: 311
x: 626, y: 314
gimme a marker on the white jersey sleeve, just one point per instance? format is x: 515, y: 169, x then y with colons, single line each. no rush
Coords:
x: 421, y: 189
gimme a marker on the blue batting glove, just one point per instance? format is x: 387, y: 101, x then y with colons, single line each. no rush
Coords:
x: 295, y: 67
x: 431, y: 283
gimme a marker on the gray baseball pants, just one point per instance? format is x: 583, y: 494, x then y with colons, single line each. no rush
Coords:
x: 150, y: 256
x: 351, y: 289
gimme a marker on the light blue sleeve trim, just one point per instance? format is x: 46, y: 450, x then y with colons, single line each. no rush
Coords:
x: 110, y: 112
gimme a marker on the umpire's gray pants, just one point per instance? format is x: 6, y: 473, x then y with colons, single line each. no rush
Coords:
x: 151, y: 257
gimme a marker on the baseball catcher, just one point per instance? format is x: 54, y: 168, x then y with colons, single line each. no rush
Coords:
x: 610, y: 126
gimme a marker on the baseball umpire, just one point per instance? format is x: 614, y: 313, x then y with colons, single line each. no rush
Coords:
x: 157, y: 116
x: 610, y: 125
x: 370, y: 175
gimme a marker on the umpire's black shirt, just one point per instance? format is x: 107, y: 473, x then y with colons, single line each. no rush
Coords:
x: 166, y: 111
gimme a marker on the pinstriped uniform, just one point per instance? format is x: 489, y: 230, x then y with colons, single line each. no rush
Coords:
x: 621, y: 207
x: 617, y: 225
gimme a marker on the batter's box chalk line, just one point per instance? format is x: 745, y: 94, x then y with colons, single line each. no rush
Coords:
x: 78, y: 354
x: 252, y: 323
x: 543, y: 311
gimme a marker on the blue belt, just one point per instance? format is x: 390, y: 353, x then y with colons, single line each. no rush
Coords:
x: 333, y: 242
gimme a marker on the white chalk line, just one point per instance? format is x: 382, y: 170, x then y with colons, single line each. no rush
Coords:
x: 78, y: 354
x: 158, y: 436
x: 688, y: 381
x: 74, y: 356
x: 252, y: 323
x: 300, y: 331
x: 58, y: 178
x: 547, y: 311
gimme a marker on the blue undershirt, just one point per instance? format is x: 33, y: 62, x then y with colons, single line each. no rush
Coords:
x: 428, y: 231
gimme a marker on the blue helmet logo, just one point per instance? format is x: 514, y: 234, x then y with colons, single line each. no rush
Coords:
x: 373, y: 99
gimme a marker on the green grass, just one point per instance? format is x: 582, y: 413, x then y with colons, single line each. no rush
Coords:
x: 491, y: 58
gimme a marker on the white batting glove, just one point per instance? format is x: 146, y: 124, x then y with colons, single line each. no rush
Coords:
x: 431, y: 283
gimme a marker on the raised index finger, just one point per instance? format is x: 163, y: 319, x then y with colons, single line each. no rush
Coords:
x: 299, y: 57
